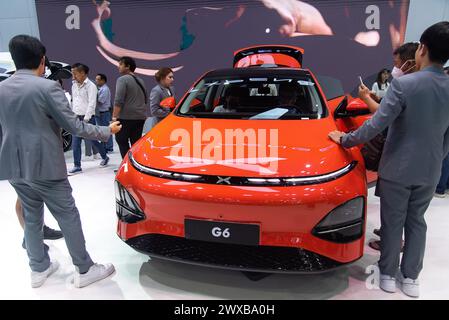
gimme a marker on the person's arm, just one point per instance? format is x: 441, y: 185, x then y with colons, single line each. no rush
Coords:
x: 390, y: 108
x: 92, y: 94
x: 58, y: 108
x: 366, y: 97
x: 155, y: 107
x: 102, y: 95
x: 119, y: 101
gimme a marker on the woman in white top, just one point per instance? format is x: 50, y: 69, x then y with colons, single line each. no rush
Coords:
x: 381, y: 85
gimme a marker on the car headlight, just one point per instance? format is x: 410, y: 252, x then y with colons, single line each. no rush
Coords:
x: 127, y: 208
x: 344, y: 224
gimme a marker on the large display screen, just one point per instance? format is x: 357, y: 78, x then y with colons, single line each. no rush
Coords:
x: 342, y: 39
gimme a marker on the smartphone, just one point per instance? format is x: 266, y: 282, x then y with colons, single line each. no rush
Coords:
x: 361, y: 81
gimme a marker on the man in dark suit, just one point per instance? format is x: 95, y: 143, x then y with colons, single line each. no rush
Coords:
x: 416, y: 111
x: 32, y: 112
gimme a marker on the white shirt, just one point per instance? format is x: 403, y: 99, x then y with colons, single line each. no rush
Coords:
x: 84, y: 99
x: 382, y: 91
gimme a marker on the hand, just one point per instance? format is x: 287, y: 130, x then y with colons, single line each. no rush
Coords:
x: 86, y: 120
x: 336, y: 136
x: 115, y: 127
x: 364, y: 92
x: 299, y: 17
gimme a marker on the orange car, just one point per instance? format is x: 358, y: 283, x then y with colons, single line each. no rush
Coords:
x: 242, y: 174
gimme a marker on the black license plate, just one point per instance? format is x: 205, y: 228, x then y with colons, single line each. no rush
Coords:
x: 232, y: 233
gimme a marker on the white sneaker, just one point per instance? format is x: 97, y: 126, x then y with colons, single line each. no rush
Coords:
x: 39, y: 278
x: 439, y: 195
x: 387, y: 283
x: 409, y: 286
x: 88, y: 158
x: 97, y: 156
x: 96, y: 273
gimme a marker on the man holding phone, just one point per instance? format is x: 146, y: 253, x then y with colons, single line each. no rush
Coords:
x: 410, y: 167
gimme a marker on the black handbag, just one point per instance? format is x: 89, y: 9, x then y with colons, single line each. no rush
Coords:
x: 372, y: 152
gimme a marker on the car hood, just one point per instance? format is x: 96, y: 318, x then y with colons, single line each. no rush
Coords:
x: 276, y: 148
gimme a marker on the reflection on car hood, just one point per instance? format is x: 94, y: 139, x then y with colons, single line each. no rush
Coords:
x: 269, y: 148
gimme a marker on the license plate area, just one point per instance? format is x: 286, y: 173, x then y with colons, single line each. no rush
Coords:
x: 223, y: 232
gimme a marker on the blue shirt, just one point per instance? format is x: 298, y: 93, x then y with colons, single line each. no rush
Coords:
x: 104, y: 99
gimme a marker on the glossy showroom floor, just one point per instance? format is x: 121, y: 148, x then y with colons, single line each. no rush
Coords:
x: 138, y: 278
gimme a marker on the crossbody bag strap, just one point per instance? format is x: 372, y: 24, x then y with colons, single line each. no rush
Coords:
x: 141, y: 87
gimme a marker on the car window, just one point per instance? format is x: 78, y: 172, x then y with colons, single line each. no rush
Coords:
x: 331, y: 87
x: 254, y: 98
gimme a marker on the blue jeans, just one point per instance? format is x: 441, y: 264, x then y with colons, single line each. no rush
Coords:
x: 103, y: 120
x: 443, y: 185
x: 77, y: 146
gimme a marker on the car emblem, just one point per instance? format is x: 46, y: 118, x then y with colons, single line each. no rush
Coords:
x: 224, y: 180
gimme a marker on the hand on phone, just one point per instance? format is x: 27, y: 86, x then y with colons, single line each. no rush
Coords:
x: 364, y: 92
x: 361, y: 81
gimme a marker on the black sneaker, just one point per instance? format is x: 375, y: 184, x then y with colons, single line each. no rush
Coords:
x: 105, y: 162
x: 376, y: 232
x: 374, y: 244
x: 51, y: 234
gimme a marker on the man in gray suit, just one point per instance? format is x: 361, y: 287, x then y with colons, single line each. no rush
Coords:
x: 416, y: 110
x: 32, y: 112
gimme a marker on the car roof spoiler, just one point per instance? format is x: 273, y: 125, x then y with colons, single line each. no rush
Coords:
x: 269, y: 55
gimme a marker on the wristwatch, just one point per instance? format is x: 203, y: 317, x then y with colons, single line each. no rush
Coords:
x: 341, y: 139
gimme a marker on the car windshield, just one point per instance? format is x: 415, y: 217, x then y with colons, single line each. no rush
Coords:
x: 254, y: 98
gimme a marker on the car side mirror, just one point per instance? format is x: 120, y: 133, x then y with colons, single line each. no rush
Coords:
x: 168, y: 103
x: 357, y: 104
x: 351, y: 107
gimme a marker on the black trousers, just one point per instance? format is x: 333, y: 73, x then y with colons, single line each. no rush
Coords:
x: 131, y: 132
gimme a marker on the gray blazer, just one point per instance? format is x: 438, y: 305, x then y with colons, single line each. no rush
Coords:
x: 156, y: 96
x: 32, y: 112
x: 416, y: 110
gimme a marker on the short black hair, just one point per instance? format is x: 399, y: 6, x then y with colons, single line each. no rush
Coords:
x: 26, y: 52
x: 129, y: 62
x: 407, y: 51
x: 103, y: 77
x: 81, y: 67
x: 436, y: 39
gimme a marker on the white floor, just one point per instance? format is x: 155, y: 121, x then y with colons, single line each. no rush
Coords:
x: 139, y: 278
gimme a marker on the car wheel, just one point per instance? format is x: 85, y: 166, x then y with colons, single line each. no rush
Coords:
x: 67, y: 140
